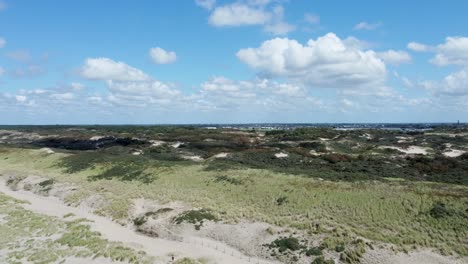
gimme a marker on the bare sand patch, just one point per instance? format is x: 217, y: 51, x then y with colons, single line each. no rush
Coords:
x: 281, y: 155
x: 453, y: 153
x: 410, y: 150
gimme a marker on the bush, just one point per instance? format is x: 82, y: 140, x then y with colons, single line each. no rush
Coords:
x: 315, y: 251
x: 340, y: 248
x: 286, y: 243
x: 196, y: 217
x: 336, y: 157
x: 281, y: 200
x: 439, y: 210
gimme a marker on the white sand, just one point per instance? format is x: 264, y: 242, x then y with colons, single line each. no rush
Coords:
x: 177, y: 144
x: 221, y: 155
x: 193, y: 158
x: 47, y: 150
x: 156, y: 143
x: 190, y: 247
x: 453, y: 153
x: 96, y: 138
x: 281, y: 155
x: 410, y: 150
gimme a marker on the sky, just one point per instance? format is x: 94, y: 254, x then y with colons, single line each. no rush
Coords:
x: 232, y: 61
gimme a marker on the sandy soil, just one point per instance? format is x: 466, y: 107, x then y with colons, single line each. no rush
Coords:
x: 196, y: 248
x: 281, y: 155
x: 453, y: 153
x: 410, y: 150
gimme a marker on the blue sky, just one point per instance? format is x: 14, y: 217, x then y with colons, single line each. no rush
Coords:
x: 207, y: 61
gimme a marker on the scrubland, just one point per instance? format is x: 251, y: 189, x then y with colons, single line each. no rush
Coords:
x: 333, y: 196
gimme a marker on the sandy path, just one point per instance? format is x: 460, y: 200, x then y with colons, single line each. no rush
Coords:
x: 199, y: 248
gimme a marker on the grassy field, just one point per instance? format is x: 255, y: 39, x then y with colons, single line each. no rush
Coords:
x: 408, y: 214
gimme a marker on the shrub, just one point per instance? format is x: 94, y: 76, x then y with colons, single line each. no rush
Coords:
x: 227, y: 179
x: 196, y: 217
x: 439, y: 210
x: 286, y: 243
x: 340, y: 248
x: 139, y: 221
x: 315, y: 251
x: 281, y: 200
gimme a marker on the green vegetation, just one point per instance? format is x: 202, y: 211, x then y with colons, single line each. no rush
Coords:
x: 340, y: 189
x: 285, y: 243
x: 33, y: 238
x: 196, y: 217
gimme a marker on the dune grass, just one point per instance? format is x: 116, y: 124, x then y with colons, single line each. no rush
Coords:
x: 34, y: 238
x: 397, y: 212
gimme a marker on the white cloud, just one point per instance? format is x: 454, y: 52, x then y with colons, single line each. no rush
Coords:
x: 226, y: 94
x: 312, y: 18
x: 161, y: 56
x: 415, y: 46
x: 249, y: 13
x: 63, y: 96
x: 278, y: 26
x: 21, y: 98
x: 325, y: 62
x: 107, y: 69
x: 2, y: 71
x: 150, y: 88
x: 77, y: 86
x: 453, y: 52
x: 395, y: 57
x: 2, y: 42
x: 206, y: 4
x: 367, y: 26
x: 238, y: 14
x: 454, y: 84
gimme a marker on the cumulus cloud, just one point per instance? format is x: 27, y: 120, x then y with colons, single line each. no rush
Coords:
x: 206, y: 4
x: 161, y: 56
x: 238, y: 14
x: 252, y: 12
x: 395, y: 57
x: 453, y: 52
x: 2, y: 42
x: 150, y: 88
x: 454, y: 84
x: 326, y: 62
x: 107, y: 69
x: 77, y: 86
x: 367, y: 26
x: 418, y: 47
x: 227, y: 94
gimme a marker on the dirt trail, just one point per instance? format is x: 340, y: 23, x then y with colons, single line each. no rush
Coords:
x: 215, y: 251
